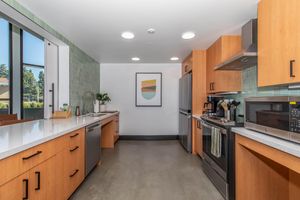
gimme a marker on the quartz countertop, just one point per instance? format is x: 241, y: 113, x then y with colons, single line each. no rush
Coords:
x: 277, y: 143
x: 19, y: 137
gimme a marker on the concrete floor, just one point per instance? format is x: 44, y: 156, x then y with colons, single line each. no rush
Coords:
x: 147, y: 170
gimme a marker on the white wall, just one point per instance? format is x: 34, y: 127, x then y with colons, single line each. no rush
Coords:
x: 119, y: 81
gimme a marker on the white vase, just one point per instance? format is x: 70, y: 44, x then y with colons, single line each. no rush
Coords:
x: 102, y: 107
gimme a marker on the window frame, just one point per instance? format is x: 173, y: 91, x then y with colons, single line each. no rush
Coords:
x: 22, y: 64
x: 11, y: 74
x: 10, y: 68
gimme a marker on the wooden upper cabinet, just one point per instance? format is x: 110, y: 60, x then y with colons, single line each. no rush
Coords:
x: 223, y: 81
x: 198, y: 63
x: 278, y: 42
x: 195, y: 63
x: 198, y: 81
x: 187, y: 65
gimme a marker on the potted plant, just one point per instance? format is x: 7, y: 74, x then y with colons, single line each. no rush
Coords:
x: 103, y: 99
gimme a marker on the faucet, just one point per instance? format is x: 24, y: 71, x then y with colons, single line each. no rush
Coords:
x: 88, y: 99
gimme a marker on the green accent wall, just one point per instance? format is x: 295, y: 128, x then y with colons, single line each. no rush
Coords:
x: 250, y: 89
x: 84, y: 70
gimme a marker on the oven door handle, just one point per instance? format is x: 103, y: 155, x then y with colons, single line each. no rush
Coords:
x: 205, y: 124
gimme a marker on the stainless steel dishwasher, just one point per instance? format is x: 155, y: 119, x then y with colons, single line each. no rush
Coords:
x: 92, y: 146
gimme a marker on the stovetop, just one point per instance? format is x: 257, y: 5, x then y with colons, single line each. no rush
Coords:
x: 221, y: 121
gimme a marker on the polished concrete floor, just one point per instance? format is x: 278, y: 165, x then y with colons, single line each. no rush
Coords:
x: 147, y: 170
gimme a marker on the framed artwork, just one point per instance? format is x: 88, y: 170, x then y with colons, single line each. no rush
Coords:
x: 148, y: 89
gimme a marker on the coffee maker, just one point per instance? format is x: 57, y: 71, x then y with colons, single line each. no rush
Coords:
x: 211, y: 106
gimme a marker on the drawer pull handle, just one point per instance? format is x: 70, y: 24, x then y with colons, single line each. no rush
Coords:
x: 38, y: 175
x: 71, y: 150
x: 35, y: 154
x: 25, y: 182
x: 72, y: 136
x: 198, y: 125
x: 77, y: 170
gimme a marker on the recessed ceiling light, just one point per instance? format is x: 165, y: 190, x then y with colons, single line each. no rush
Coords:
x: 174, y: 58
x: 188, y: 35
x: 151, y: 30
x: 127, y: 35
x: 135, y: 59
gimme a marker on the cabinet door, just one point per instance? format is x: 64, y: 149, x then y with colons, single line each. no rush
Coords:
x: 278, y: 42
x: 16, y: 189
x: 60, y: 176
x: 197, y: 138
x: 187, y: 65
x: 227, y: 81
x: 200, y: 138
x: 211, y: 57
x: 43, y: 181
x: 221, y: 50
x: 199, y: 95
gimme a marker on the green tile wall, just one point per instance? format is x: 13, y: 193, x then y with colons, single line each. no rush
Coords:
x: 250, y: 89
x: 84, y: 70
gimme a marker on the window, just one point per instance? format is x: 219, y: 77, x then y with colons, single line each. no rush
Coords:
x: 33, y: 76
x: 5, y: 94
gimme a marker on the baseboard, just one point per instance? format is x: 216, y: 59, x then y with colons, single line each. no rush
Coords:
x: 148, y: 137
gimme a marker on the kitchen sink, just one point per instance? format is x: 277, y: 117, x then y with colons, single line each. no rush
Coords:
x: 109, y: 111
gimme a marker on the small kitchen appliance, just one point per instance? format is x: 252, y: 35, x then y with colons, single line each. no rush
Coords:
x: 276, y: 116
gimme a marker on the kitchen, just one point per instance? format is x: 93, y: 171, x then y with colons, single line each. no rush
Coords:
x: 197, y: 109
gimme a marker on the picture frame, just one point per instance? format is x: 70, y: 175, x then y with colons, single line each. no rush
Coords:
x: 148, y: 89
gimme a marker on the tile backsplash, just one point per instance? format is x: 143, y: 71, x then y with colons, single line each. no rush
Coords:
x: 250, y: 89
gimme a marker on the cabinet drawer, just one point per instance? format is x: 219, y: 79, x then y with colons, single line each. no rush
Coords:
x: 74, y: 164
x: 73, y: 171
x: 75, y: 176
x: 76, y: 138
x: 17, y: 164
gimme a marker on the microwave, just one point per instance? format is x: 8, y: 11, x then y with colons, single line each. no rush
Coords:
x: 276, y: 116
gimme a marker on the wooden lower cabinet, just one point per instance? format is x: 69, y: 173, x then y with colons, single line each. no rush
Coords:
x: 51, y: 178
x: 263, y: 172
x: 42, y: 181
x: 109, y: 132
x: 38, y: 183
x: 74, y: 170
x: 197, y: 138
x: 15, y: 189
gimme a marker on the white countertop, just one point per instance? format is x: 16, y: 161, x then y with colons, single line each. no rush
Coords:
x: 19, y: 137
x: 277, y: 143
x: 197, y: 117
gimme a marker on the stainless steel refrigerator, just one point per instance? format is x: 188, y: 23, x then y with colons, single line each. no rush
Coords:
x: 185, y: 112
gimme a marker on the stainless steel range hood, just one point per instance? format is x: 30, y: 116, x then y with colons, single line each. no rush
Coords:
x: 248, y: 56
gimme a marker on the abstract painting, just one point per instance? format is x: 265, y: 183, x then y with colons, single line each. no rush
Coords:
x: 148, y: 89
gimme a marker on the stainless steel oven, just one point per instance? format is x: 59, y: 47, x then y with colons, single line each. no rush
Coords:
x: 277, y: 116
x: 216, y: 167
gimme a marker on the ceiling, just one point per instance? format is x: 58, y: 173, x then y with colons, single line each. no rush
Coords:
x: 96, y: 25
